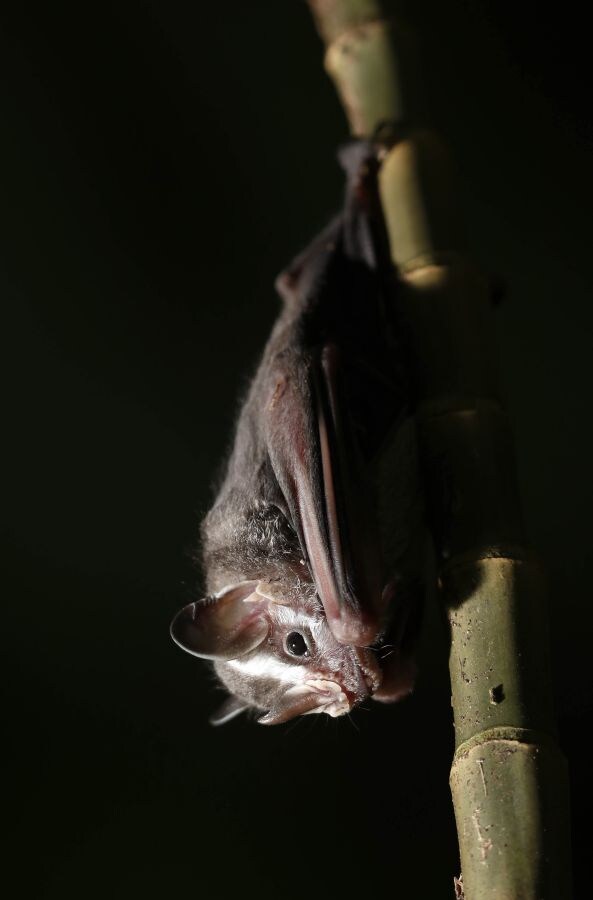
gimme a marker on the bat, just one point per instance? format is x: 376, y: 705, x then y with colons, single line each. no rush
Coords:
x: 312, y: 549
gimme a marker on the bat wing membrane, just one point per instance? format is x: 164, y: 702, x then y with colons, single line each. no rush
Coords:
x: 332, y: 391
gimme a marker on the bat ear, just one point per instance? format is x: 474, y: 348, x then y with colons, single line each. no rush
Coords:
x: 287, y: 283
x: 231, y: 707
x: 225, y: 626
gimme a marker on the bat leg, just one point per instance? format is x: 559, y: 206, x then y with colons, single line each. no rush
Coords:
x: 397, y: 653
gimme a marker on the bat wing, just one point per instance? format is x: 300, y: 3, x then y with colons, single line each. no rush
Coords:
x: 334, y: 392
x: 315, y: 461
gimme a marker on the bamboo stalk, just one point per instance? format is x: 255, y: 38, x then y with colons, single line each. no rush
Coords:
x: 508, y: 779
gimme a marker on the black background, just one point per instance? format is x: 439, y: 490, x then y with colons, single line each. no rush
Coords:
x: 160, y: 162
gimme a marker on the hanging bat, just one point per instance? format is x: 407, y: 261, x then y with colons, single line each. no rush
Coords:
x: 311, y: 549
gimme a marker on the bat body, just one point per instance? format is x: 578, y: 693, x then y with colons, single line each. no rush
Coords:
x: 311, y: 563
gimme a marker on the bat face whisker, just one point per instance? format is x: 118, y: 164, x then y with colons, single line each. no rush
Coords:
x: 353, y: 723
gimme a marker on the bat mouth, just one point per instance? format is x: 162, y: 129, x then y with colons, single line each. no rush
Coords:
x: 361, y: 678
x: 335, y: 698
x: 338, y: 693
x: 334, y: 693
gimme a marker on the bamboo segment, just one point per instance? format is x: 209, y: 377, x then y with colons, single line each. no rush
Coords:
x: 507, y: 787
x: 374, y: 82
x: 499, y: 674
x: 358, y: 60
x: 333, y: 19
x: 508, y: 780
x: 422, y: 215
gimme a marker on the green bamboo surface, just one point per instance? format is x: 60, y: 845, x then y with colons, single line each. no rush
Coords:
x: 508, y: 778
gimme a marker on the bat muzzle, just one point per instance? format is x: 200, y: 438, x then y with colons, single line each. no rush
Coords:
x: 360, y: 676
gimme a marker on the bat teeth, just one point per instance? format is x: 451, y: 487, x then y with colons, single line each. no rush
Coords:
x: 368, y: 668
x: 337, y: 703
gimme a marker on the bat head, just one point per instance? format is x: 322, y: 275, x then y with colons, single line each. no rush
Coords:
x: 274, y: 651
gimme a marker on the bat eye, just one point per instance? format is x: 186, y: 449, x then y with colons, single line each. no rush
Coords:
x: 296, y: 644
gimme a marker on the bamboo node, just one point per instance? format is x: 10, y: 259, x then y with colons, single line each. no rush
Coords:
x: 505, y: 735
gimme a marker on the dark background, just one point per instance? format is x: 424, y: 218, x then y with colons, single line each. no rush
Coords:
x: 160, y: 163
